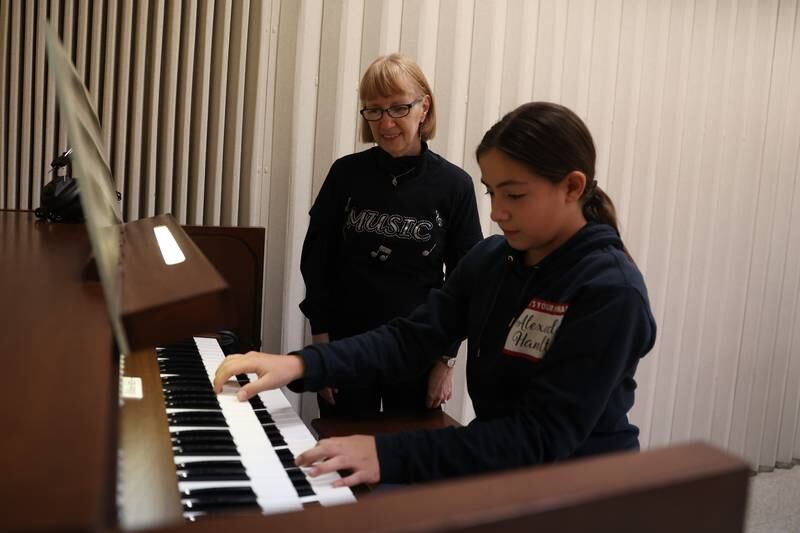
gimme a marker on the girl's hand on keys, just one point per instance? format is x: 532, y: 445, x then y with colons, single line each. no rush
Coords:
x: 356, y: 453
x: 273, y: 371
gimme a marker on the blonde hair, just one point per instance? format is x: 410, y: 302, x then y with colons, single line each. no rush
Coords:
x: 384, y: 77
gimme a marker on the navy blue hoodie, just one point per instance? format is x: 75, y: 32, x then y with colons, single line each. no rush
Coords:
x: 552, y: 352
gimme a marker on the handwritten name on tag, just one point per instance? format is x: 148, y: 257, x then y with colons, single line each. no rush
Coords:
x: 534, y: 329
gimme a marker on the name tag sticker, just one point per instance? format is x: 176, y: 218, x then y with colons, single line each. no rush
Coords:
x: 131, y: 388
x: 534, y: 329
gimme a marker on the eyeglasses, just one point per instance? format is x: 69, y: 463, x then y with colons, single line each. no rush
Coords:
x: 373, y: 114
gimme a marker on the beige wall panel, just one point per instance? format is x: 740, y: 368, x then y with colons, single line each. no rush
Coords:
x: 201, y: 90
x: 233, y: 117
x: 485, y: 86
x: 277, y: 215
x: 118, y: 150
x: 787, y: 341
x: 301, y: 166
x: 183, y: 112
x: 258, y: 78
x: 26, y: 110
x: 741, y: 326
x: 39, y: 161
x: 420, y: 27
x: 452, y: 77
x: 96, y: 27
x: 106, y: 112
x: 12, y: 140
x: 693, y: 400
x: 662, y: 253
x: 212, y: 213
x: 151, y: 104
x: 132, y: 195
x: 168, y: 103
x: 763, y: 276
x: 5, y: 67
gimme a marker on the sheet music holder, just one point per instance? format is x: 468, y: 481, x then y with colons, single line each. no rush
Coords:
x: 151, y: 299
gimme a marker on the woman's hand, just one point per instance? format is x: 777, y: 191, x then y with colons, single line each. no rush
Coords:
x: 273, y: 371
x: 440, y: 385
x: 356, y: 453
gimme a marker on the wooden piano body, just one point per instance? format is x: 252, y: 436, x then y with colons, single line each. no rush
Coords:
x: 60, y: 467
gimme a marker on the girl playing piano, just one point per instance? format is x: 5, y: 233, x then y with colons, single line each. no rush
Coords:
x: 555, y: 312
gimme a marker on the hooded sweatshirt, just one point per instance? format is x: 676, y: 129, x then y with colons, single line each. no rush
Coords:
x: 381, y: 230
x: 552, y: 352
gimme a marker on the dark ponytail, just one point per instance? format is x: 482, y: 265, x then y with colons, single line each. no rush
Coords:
x: 552, y: 141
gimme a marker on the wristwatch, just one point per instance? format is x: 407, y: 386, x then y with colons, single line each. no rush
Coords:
x: 449, y: 362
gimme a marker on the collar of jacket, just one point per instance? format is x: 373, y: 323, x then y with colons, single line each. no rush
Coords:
x: 590, y: 237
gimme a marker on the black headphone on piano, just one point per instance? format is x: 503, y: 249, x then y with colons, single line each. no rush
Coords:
x: 60, y: 200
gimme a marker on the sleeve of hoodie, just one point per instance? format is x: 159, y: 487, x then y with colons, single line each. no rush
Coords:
x: 317, y: 260
x: 463, y: 231
x: 601, y: 337
x: 402, y: 348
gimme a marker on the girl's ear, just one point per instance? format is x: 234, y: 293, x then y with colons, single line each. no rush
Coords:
x: 575, y: 183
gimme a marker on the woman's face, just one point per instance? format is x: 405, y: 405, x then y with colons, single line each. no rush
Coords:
x: 535, y: 215
x: 399, y: 136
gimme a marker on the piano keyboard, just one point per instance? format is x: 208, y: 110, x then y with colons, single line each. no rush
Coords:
x: 231, y: 454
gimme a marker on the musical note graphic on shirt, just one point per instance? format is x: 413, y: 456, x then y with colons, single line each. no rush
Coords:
x: 426, y: 253
x: 382, y: 253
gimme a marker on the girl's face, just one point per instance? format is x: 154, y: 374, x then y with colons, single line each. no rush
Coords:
x: 536, y: 215
x: 399, y: 136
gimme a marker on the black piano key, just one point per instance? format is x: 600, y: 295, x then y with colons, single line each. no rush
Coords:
x: 276, y: 440
x: 179, y: 379
x: 225, y: 503
x: 198, y: 370
x: 256, y: 403
x: 212, y: 474
x: 182, y: 360
x: 272, y: 429
x: 304, y: 490
x: 217, y: 463
x: 295, y: 474
x: 203, y: 442
x: 264, y: 417
x: 204, y: 449
x: 217, y: 492
x: 185, y: 437
x: 286, y: 457
x: 197, y: 418
x: 198, y: 394
x: 189, y: 388
x: 192, y: 403
x: 201, y: 433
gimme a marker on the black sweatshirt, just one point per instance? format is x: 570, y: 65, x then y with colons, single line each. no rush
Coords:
x: 552, y: 351
x: 381, y: 230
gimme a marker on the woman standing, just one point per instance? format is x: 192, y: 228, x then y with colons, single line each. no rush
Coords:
x: 385, y: 225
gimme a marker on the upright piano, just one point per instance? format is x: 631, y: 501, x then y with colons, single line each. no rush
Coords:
x: 74, y: 459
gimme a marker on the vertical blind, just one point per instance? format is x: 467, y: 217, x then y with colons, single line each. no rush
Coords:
x: 231, y: 112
